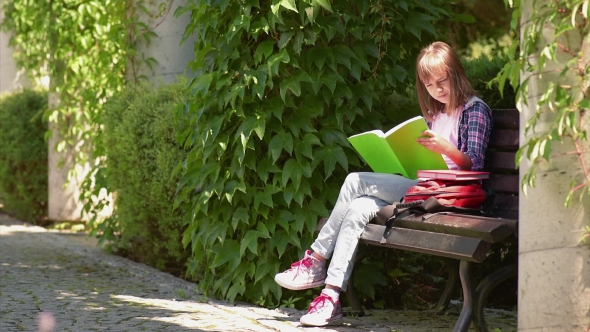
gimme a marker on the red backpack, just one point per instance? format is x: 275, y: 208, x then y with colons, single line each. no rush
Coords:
x: 433, y: 196
x: 445, y: 195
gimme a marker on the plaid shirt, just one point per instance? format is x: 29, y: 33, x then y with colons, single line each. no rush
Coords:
x: 475, y: 126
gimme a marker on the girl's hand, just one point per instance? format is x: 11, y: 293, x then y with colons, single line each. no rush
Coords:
x: 435, y: 143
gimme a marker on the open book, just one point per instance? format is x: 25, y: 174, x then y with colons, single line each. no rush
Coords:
x: 397, y: 151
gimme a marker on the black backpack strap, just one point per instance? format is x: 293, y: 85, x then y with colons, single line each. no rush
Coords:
x: 397, y: 209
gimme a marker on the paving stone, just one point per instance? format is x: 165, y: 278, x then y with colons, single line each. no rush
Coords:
x: 46, y: 276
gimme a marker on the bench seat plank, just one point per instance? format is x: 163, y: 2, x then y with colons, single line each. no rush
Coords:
x: 488, y: 229
x: 444, y: 245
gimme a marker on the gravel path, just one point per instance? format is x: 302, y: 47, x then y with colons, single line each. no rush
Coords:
x: 55, y: 279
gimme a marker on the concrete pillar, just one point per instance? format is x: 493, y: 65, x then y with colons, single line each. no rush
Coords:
x: 62, y: 200
x: 554, y: 270
x: 63, y: 203
x: 10, y: 77
x: 172, y: 58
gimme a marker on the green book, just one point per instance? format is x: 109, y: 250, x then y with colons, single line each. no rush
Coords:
x: 397, y: 151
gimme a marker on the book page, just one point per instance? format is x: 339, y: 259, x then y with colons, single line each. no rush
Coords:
x: 375, y: 132
x: 376, y: 153
x: 411, y: 154
x: 410, y: 120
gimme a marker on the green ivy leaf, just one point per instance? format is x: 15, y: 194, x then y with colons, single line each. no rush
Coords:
x: 265, y: 268
x: 262, y: 230
x: 294, y: 170
x: 282, y: 239
x: 285, y: 38
x: 274, y: 61
x: 319, y: 55
x: 281, y: 141
x: 240, y: 214
x: 234, y: 290
x: 330, y: 155
x: 366, y: 276
x: 265, y: 197
x: 263, y: 51
x: 465, y: 18
x: 231, y: 187
x: 318, y: 207
x: 417, y: 22
x: 249, y: 241
x: 228, y: 252
x: 289, y: 4
x: 324, y: 3
x: 306, y: 146
x: 343, y: 54
x: 201, y: 84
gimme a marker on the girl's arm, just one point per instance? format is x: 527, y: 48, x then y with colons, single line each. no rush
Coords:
x: 440, y: 145
x: 474, y: 133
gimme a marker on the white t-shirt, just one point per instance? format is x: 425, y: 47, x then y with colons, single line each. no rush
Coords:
x: 447, y: 127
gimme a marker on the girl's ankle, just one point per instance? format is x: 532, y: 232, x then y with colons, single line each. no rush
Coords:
x: 318, y: 256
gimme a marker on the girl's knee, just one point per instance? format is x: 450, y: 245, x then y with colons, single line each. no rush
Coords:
x: 364, y: 208
x: 353, y: 178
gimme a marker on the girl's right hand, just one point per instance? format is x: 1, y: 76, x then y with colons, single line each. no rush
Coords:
x: 433, y: 142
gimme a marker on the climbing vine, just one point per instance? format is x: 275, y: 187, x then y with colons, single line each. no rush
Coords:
x: 85, y: 52
x: 568, y: 98
x: 79, y: 48
x: 279, y: 85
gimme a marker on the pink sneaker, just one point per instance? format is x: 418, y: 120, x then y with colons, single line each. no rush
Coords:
x: 303, y: 274
x: 322, y: 311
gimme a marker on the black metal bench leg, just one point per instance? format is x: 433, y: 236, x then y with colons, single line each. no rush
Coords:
x: 453, y: 272
x: 483, y: 289
x: 464, y: 320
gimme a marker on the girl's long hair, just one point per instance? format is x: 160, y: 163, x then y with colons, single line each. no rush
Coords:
x: 438, y: 59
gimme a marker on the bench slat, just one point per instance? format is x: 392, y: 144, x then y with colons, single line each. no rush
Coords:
x: 503, y: 183
x: 444, y: 245
x: 500, y: 160
x: 503, y: 139
x: 488, y: 229
x: 506, y: 118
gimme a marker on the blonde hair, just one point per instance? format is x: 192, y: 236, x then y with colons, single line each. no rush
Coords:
x: 438, y: 59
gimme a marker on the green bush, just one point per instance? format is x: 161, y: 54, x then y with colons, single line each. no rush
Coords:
x: 141, y: 153
x: 23, y: 155
x: 483, y: 70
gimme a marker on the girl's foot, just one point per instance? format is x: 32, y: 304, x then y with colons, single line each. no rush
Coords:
x: 322, y: 311
x: 307, y: 273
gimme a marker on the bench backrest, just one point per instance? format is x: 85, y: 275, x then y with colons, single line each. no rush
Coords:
x: 500, y: 160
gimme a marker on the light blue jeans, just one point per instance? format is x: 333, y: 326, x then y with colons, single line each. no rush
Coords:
x: 361, y: 196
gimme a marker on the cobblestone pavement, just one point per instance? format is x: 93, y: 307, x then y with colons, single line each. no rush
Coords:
x: 81, y: 288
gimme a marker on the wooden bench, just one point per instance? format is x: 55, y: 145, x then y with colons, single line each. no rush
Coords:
x: 462, y: 239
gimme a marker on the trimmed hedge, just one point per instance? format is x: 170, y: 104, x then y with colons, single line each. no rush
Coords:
x: 139, y: 139
x: 23, y: 155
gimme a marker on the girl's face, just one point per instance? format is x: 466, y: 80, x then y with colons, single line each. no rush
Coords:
x: 439, y: 87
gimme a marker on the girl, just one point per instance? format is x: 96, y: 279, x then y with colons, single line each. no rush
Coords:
x: 460, y: 125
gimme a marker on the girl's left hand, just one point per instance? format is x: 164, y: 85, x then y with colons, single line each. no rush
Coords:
x: 435, y: 143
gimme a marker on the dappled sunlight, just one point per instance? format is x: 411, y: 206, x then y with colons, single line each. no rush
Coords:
x: 25, y: 266
x: 172, y: 305
x: 190, y: 313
